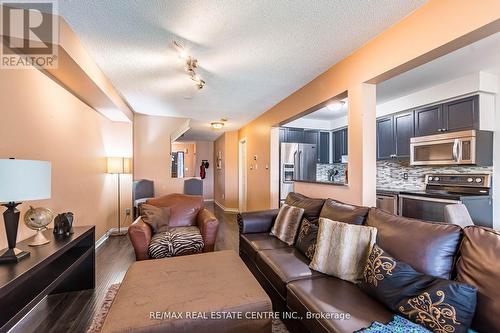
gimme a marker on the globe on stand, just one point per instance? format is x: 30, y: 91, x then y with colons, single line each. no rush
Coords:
x: 38, y: 219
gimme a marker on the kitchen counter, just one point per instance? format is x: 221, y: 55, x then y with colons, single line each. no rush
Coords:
x: 390, y: 191
x: 321, y: 182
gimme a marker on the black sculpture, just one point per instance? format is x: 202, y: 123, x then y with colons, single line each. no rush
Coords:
x: 63, y: 224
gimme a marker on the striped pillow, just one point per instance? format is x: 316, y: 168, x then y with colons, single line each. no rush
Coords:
x: 342, y: 249
x: 287, y: 223
x: 176, y: 242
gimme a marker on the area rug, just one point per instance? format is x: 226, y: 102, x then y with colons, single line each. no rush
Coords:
x: 96, y: 326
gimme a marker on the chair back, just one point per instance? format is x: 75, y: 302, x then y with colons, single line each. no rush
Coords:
x: 143, y: 188
x: 193, y: 186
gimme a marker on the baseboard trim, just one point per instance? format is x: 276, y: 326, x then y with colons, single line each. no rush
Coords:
x: 101, y: 240
x: 226, y: 209
x: 104, y: 237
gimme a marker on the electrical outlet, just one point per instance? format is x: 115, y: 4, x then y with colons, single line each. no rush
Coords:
x: 127, y: 212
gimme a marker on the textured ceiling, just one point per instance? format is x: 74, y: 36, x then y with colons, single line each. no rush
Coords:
x: 252, y: 54
x: 483, y: 55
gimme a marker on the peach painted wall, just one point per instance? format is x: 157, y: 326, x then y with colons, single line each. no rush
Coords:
x: 152, y: 149
x: 436, y: 28
x: 40, y: 120
x: 226, y: 178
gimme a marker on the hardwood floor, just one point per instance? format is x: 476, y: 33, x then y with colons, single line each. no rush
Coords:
x: 73, y: 312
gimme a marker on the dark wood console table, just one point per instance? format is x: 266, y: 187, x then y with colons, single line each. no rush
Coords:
x: 63, y: 265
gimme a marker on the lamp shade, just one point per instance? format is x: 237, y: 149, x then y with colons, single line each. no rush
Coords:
x: 23, y: 180
x: 119, y: 165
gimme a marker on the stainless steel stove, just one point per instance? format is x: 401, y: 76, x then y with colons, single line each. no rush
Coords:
x: 472, y: 190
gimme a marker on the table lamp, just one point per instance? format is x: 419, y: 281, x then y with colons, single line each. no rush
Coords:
x: 20, y: 180
x: 119, y: 165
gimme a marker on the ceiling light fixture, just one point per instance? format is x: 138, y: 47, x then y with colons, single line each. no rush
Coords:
x: 190, y: 66
x: 217, y: 125
x: 335, y: 105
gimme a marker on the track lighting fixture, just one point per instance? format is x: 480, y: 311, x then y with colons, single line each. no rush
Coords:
x: 190, y: 66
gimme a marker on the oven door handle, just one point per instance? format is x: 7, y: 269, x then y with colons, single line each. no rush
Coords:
x: 416, y: 197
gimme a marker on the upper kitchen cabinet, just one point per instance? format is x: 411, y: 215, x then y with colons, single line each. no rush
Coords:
x: 385, y: 138
x: 311, y: 136
x: 462, y: 114
x: 294, y: 135
x: 458, y: 115
x: 339, y: 144
x: 324, y: 147
x: 429, y: 120
x: 404, y: 130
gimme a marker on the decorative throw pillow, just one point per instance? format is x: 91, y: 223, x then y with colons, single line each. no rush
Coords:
x: 306, y: 240
x: 287, y: 223
x: 177, y: 241
x: 438, y: 304
x: 342, y: 249
x: 157, y: 217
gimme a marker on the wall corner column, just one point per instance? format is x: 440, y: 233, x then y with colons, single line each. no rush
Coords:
x: 362, y: 142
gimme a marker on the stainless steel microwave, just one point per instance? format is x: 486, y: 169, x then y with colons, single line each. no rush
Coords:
x: 470, y: 147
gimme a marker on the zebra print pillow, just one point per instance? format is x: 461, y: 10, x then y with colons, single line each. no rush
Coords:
x: 176, y: 242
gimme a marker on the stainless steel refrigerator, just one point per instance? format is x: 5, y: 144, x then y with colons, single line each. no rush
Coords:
x: 298, y: 162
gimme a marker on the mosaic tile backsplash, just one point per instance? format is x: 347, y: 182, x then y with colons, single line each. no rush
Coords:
x: 391, y: 174
x: 336, y: 170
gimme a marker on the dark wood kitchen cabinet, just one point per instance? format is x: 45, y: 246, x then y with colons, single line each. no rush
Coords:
x: 457, y: 115
x: 324, y: 147
x: 429, y: 120
x: 295, y: 135
x: 282, y: 134
x: 339, y: 144
x: 404, y: 130
x: 393, y: 136
x: 311, y: 136
x: 385, y: 138
x: 462, y: 114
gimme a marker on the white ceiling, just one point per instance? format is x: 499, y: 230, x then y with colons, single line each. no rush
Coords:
x: 483, y: 55
x: 252, y: 54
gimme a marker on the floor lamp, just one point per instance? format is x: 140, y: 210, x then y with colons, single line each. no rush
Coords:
x: 119, y: 165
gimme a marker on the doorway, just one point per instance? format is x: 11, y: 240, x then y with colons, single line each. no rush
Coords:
x: 242, y: 197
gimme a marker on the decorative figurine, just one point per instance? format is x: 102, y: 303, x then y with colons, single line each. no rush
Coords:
x: 63, y: 224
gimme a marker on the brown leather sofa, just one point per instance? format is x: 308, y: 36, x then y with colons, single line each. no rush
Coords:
x: 471, y: 255
x: 185, y: 210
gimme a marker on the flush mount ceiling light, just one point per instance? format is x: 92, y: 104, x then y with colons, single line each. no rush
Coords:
x: 217, y: 125
x: 190, y: 65
x: 335, y: 105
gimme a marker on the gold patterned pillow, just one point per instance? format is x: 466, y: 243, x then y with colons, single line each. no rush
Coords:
x: 287, y: 223
x: 342, y: 249
x: 440, y: 305
x: 306, y: 240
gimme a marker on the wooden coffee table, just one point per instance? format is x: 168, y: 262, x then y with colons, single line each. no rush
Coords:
x: 209, y: 292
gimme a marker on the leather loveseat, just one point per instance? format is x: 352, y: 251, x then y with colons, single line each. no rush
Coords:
x: 185, y: 210
x: 470, y: 255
